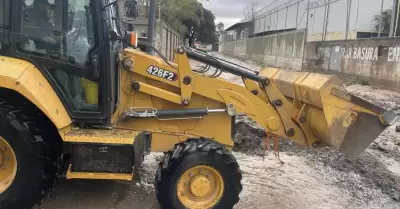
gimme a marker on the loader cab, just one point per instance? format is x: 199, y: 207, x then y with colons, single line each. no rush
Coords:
x: 75, y: 44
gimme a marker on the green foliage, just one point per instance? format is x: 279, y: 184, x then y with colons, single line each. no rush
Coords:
x: 386, y: 18
x: 190, y: 18
x: 206, y: 31
x: 174, y: 11
x: 360, y: 81
x: 220, y: 27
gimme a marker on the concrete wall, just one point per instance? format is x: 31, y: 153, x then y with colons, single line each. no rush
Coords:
x: 337, y: 35
x: 376, y: 60
x: 283, y: 50
x: 167, y: 39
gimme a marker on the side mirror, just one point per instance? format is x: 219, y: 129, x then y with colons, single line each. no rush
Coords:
x: 131, y: 9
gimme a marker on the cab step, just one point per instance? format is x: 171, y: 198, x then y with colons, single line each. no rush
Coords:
x: 95, y: 175
x: 106, y: 154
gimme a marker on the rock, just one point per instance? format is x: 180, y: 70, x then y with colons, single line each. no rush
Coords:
x: 396, y: 197
x: 249, y: 136
x: 397, y: 128
x: 384, y: 147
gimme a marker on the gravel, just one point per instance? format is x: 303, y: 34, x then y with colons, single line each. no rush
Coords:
x: 371, y: 177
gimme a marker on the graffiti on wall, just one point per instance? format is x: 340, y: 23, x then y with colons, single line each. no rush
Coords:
x: 394, y: 54
x: 362, y: 53
x: 390, y: 54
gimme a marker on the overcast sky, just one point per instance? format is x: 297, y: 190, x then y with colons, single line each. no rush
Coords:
x: 229, y: 12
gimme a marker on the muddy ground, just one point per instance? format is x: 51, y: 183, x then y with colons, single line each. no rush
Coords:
x: 302, y: 178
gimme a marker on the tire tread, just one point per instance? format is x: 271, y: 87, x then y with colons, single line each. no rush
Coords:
x: 173, y: 157
x: 48, y: 149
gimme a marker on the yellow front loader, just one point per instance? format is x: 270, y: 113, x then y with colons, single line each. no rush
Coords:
x: 79, y: 99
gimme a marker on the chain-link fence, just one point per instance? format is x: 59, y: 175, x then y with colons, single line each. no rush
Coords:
x: 323, y: 19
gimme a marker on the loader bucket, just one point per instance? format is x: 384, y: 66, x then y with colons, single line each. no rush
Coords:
x: 336, y: 118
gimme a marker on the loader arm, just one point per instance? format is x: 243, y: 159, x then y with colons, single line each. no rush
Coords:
x: 312, y: 110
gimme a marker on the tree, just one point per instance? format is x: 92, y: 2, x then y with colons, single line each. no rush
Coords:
x: 192, y: 24
x: 201, y: 28
x: 219, y: 30
x: 249, y: 13
x: 386, y: 19
x: 386, y: 22
x: 220, y: 27
x: 190, y: 18
x: 207, y: 30
x: 250, y: 10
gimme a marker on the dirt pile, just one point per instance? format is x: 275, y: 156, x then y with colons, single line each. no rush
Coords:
x: 367, y: 179
x: 249, y: 137
x: 371, y: 178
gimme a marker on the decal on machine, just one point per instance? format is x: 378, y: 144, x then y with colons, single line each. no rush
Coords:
x: 165, y: 74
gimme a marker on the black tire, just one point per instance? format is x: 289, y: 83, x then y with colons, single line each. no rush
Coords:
x: 37, y: 147
x: 192, y: 153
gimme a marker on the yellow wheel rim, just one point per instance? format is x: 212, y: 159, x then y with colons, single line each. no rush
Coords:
x: 8, y: 165
x: 200, y: 187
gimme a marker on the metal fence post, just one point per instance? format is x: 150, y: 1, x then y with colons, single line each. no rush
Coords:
x: 297, y: 14
x: 349, y: 2
x: 326, y: 19
x: 380, y: 21
x: 305, y: 39
x: 397, y: 17
x: 151, y: 25
x: 393, y: 19
x: 287, y: 9
x: 307, y: 24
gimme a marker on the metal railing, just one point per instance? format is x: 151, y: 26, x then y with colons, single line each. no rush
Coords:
x: 324, y: 19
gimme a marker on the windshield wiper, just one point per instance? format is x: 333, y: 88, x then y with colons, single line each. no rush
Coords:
x: 110, y: 4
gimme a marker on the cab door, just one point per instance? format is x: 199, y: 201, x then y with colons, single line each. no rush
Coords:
x: 64, y: 39
x: 5, y: 8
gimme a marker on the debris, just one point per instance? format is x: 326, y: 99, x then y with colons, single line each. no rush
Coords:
x: 249, y: 136
x: 385, y: 147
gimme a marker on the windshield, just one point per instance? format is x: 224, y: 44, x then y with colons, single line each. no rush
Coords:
x: 113, y: 17
x: 62, y: 29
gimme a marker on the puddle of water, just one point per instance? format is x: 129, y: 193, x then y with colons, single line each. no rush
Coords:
x: 395, y: 167
x: 270, y: 184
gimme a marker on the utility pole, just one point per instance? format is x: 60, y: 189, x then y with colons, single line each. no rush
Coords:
x: 397, y: 18
x: 349, y: 2
x: 326, y: 19
x: 380, y: 21
x: 151, y: 25
x: 393, y: 18
x: 305, y: 40
x: 307, y: 24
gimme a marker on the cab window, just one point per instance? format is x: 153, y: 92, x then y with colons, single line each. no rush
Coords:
x: 60, y: 35
x: 62, y: 42
x: 4, y: 17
